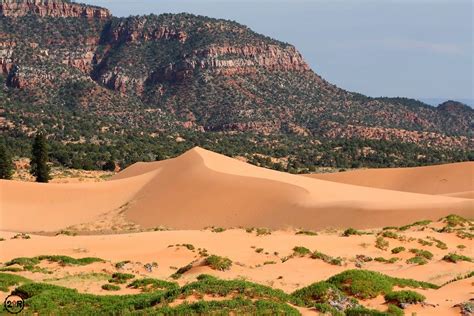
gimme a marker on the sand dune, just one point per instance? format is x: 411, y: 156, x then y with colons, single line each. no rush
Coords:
x: 201, y: 188
x: 455, y: 179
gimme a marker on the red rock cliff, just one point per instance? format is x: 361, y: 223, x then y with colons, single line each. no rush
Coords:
x: 53, y: 8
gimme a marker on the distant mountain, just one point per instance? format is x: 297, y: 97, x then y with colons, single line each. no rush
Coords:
x: 438, y: 101
x: 86, y: 77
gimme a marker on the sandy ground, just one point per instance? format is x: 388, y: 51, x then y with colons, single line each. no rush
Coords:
x: 201, y: 188
x: 264, y: 267
x: 455, y: 179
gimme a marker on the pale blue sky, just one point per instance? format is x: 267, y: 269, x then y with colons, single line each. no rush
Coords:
x: 412, y: 48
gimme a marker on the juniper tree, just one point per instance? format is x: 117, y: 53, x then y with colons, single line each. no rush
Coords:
x: 39, y: 160
x: 6, y: 165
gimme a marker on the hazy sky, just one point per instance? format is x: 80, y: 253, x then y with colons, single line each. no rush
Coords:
x: 412, y: 48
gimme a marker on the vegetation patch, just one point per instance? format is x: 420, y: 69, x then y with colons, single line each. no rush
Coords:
x: 307, y: 232
x: 419, y: 223
x: 353, y: 232
x: 8, y: 280
x: 121, y: 278
x: 422, y: 253
x: 383, y: 260
x: 110, y: 287
x: 439, y: 243
x: 301, y: 251
x: 263, y: 231
x: 390, y: 234
x: 454, y: 257
x: 454, y: 220
x: 121, y: 264
x: 424, y: 242
x: 326, y: 258
x: 218, y: 263
x: 218, y: 230
x: 151, y: 285
x: 179, y: 273
x: 369, y: 284
x: 65, y: 260
x: 417, y: 260
x: 400, y: 298
x: 398, y: 250
x: 381, y: 243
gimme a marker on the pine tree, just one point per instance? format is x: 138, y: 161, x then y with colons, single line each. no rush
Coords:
x: 39, y: 160
x: 6, y: 165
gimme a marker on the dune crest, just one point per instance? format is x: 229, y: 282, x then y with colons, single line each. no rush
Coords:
x: 201, y: 188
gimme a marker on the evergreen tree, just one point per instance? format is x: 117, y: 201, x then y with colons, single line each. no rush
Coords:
x: 6, y: 165
x: 39, y: 160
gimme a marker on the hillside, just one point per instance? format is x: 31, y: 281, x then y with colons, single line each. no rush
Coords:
x: 88, y: 78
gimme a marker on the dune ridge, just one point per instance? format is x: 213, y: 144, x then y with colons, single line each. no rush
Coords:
x: 201, y: 188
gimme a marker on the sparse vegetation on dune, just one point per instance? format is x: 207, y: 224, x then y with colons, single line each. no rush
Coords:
x: 404, y: 297
x: 454, y: 257
x: 338, y: 294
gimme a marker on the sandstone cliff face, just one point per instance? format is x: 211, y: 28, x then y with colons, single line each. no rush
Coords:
x: 53, y: 8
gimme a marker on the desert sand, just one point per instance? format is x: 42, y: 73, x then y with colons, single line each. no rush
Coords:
x: 456, y: 179
x: 199, y: 189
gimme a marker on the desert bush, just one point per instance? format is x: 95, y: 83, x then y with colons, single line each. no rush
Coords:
x: 404, y: 297
x: 381, y: 243
x: 424, y: 242
x: 417, y: 260
x: 306, y: 232
x: 149, y: 285
x: 301, y: 251
x: 454, y: 257
x: 398, y: 250
x: 422, y: 253
x: 218, y: 263
x: 381, y: 259
x: 351, y: 232
x: 110, y: 287
x: 121, y: 278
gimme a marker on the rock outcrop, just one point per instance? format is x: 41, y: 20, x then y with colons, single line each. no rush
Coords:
x: 52, y: 8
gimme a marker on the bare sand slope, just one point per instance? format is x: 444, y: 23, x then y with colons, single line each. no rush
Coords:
x: 201, y: 188
x: 26, y: 206
x: 455, y: 179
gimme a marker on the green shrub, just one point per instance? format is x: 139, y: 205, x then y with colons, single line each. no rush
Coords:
x: 65, y: 260
x: 419, y: 223
x: 306, y: 232
x: 351, y: 231
x: 381, y: 243
x: 390, y: 234
x: 422, y: 253
x: 121, y: 278
x: 110, y: 287
x: 454, y: 220
x: 381, y: 259
x: 326, y: 258
x: 301, y: 251
x: 218, y: 263
x: 121, y: 264
x: 151, y: 285
x: 369, y: 284
x: 424, y: 242
x: 179, y: 273
x: 439, y: 243
x: 259, y: 250
x: 320, y: 292
x: 417, y: 260
x: 454, y: 257
x: 263, y: 231
x: 218, y: 229
x: 398, y: 250
x: 404, y: 297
